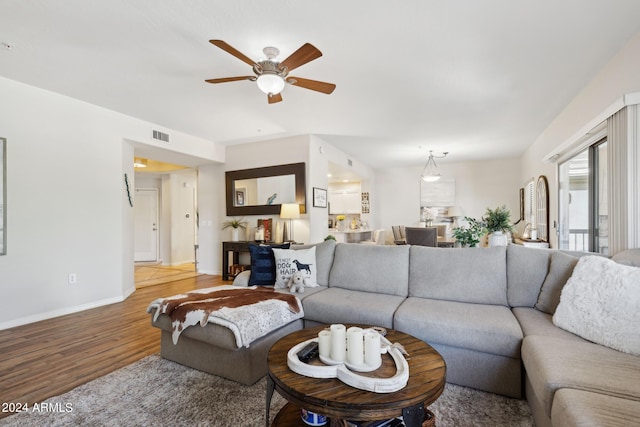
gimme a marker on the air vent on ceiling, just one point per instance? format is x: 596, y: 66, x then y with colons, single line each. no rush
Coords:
x: 349, y: 162
x: 160, y: 136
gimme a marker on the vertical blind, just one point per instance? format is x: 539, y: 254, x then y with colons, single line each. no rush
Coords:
x: 623, y: 183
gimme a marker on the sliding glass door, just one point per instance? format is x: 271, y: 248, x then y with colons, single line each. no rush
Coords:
x: 582, y: 192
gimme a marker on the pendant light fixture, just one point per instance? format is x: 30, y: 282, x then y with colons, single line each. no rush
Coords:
x: 430, y: 172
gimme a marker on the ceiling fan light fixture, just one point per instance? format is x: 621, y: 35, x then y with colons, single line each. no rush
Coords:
x: 270, y: 83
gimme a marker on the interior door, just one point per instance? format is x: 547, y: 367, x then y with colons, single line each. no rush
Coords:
x: 146, y: 225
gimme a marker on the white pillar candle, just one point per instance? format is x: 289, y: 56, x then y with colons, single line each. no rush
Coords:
x: 324, y: 343
x: 338, y: 343
x: 372, y: 356
x: 355, y: 346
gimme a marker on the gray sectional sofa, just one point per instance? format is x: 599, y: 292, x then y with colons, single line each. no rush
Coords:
x: 488, y: 314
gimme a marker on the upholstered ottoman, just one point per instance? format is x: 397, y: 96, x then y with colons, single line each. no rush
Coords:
x: 215, y: 347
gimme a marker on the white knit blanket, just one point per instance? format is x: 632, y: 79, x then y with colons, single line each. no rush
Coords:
x: 247, y: 322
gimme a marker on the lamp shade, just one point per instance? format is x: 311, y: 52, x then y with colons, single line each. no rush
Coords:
x: 454, y: 211
x: 289, y: 211
x: 430, y: 178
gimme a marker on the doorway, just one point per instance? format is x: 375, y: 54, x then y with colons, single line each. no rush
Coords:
x: 145, y: 217
x: 583, y: 203
x: 164, y: 222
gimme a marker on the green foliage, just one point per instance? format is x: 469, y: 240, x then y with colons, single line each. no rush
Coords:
x: 498, y: 219
x: 330, y: 237
x: 470, y: 235
x: 235, y: 223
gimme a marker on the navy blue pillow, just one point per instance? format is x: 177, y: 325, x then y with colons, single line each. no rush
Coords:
x: 263, y: 264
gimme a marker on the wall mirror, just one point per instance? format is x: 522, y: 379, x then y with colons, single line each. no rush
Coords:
x: 3, y: 196
x: 261, y: 191
x: 542, y: 211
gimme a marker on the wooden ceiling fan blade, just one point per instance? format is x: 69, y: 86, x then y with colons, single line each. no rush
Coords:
x: 312, y: 84
x: 233, y: 51
x: 306, y: 53
x: 274, y: 98
x: 230, y: 79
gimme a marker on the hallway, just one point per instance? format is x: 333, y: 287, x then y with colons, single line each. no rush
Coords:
x: 150, y: 274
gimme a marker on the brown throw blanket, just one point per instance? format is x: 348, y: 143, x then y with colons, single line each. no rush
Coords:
x: 249, y: 312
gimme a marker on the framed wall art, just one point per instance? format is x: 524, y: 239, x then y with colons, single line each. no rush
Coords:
x: 319, y: 197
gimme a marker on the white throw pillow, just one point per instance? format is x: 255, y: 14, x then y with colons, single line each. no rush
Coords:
x: 601, y: 303
x: 288, y: 261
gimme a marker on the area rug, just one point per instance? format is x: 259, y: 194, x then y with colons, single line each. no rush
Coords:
x: 157, y: 392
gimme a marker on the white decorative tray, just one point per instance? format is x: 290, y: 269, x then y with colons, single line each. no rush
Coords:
x: 343, y: 372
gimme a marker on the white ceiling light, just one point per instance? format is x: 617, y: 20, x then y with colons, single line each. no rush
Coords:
x: 270, y: 83
x: 430, y: 172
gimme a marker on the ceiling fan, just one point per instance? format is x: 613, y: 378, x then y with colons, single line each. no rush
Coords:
x: 272, y: 75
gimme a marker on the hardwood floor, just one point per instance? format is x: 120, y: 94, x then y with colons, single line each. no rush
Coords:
x: 154, y: 274
x: 47, y: 358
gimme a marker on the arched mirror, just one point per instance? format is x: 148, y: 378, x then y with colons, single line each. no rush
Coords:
x: 542, y: 208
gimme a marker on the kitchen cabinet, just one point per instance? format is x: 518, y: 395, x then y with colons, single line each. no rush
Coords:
x: 344, y: 202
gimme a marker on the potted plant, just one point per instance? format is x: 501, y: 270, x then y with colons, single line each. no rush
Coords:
x: 469, y: 236
x: 235, y: 225
x: 498, y: 222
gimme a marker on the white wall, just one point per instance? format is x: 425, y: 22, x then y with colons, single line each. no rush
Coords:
x: 618, y: 77
x: 211, y: 210
x: 183, y: 217
x: 479, y: 185
x: 67, y: 208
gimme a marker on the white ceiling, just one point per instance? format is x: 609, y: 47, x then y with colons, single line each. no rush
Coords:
x: 480, y: 79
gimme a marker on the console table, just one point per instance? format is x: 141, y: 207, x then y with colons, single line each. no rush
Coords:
x: 236, y: 248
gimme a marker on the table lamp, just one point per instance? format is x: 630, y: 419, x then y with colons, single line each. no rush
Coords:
x: 289, y: 211
x: 455, y: 212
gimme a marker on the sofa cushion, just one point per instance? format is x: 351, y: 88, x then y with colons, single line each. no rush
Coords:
x: 560, y: 269
x: 337, y: 305
x: 582, y: 408
x: 534, y: 322
x: 556, y: 363
x: 263, y: 265
x: 601, y: 302
x: 307, y: 292
x: 485, y: 328
x: 324, y: 259
x: 473, y: 275
x: 526, y: 270
x: 629, y: 257
x: 290, y: 261
x: 371, y: 268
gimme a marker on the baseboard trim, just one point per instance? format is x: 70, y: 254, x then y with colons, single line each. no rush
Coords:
x: 61, y: 312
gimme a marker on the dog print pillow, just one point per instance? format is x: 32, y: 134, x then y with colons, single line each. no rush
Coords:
x: 289, y: 261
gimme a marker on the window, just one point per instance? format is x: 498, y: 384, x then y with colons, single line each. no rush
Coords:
x: 582, y: 192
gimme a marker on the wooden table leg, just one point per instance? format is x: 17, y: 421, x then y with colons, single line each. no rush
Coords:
x: 270, y: 387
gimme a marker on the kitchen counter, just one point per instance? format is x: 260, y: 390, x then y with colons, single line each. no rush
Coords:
x: 351, y: 236
x: 532, y: 243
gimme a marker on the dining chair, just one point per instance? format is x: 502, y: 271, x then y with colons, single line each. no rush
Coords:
x: 399, y: 237
x: 422, y: 236
x: 377, y: 238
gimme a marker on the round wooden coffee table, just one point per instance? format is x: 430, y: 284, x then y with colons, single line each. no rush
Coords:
x: 338, y: 401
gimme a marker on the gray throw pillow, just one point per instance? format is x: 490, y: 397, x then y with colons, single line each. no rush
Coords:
x: 629, y: 257
x: 560, y: 270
